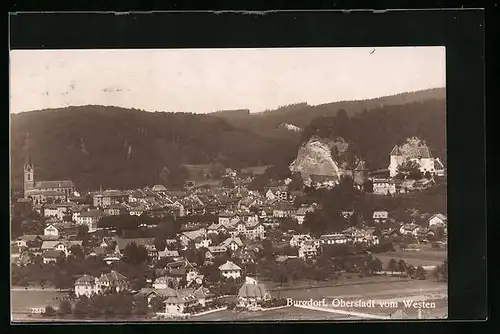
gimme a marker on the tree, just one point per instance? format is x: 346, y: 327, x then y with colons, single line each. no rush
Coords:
x: 191, y: 253
x: 368, y: 186
x: 268, y: 249
x: 134, y: 254
x: 141, y: 305
x: 64, y: 307
x: 82, y: 230
x: 157, y: 303
x: 81, y: 308
x: 410, y: 270
x: 227, y: 182
x: 375, y: 265
x: 138, y: 283
x: 420, y: 273
x: 62, y: 280
x: 160, y: 243
x: 296, y: 183
x: 77, y: 252
x: 401, y: 267
x: 288, y: 223
x: 49, y: 311
x: 392, y: 266
x: 410, y: 169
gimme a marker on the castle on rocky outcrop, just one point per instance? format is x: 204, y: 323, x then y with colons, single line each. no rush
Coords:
x: 421, y: 155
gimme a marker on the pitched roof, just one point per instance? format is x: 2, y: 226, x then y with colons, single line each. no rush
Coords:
x: 229, y: 266
x: 54, y: 184
x: 396, y: 151
x: 159, y: 187
x: 214, y: 226
x: 440, y: 216
x: 28, y: 237
x: 361, y: 166
x: 380, y: 214
x: 168, y: 253
x: 250, y: 290
x: 226, y: 214
x: 85, y: 280
x: 52, y: 254
x: 217, y: 249
x: 112, y: 276
x: 93, y: 213
x: 122, y: 243
x: 230, y: 240
x: 167, y: 292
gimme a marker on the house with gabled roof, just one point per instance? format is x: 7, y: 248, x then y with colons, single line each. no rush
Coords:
x: 380, y: 217
x: 51, y: 230
x: 298, y: 239
x: 168, y: 254
x: 112, y: 281
x: 182, y: 270
x: 60, y: 245
x: 437, y: 219
x: 245, y: 255
x: 52, y: 256
x: 23, y: 240
x: 90, y: 218
x: 254, y: 230
x: 251, y: 293
x: 214, y: 251
x: 175, y: 305
x: 230, y: 270
x: 333, y: 239
x: 225, y: 217
x: 232, y: 243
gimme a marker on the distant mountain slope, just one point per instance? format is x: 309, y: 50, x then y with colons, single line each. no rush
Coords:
x: 116, y: 147
x: 267, y: 123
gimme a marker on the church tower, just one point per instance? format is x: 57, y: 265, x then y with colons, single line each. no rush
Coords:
x: 29, y: 172
x: 29, y: 175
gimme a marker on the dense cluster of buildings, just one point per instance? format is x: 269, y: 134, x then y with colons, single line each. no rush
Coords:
x: 243, y: 219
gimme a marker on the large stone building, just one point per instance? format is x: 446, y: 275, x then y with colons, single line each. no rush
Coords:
x: 43, y: 191
x: 421, y: 155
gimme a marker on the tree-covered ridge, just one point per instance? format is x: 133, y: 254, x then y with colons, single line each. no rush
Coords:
x: 301, y: 114
x: 117, y: 147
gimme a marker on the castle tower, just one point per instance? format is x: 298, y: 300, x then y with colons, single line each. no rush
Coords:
x: 360, y: 173
x: 397, y: 158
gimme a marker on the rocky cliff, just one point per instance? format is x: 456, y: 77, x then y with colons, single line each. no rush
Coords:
x: 315, y: 158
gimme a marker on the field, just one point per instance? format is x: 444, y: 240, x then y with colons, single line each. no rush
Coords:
x: 197, y: 172
x: 385, y: 289
x: 392, y: 290
x: 288, y: 313
x: 256, y: 170
x: 425, y: 257
x: 22, y: 301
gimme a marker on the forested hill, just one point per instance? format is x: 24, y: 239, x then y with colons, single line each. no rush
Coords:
x: 116, y: 147
x: 372, y: 134
x: 301, y: 114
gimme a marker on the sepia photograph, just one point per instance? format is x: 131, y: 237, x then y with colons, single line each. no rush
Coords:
x: 228, y: 184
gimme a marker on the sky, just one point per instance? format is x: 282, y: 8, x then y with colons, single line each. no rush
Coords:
x: 207, y: 80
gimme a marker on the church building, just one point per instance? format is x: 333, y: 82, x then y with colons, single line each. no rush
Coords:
x: 43, y: 191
